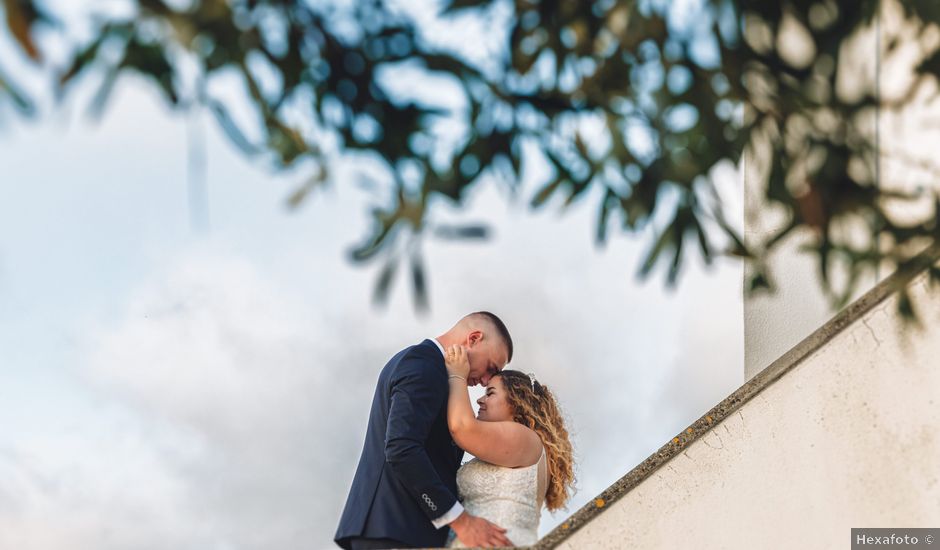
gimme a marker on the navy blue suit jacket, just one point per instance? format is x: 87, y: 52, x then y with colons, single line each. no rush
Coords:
x: 407, y: 472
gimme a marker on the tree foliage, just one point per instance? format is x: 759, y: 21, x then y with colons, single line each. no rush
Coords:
x: 628, y: 104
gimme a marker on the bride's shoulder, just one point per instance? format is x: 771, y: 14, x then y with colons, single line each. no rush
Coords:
x: 529, y: 434
x: 528, y: 440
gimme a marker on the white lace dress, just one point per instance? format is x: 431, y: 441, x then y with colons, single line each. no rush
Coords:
x: 509, y: 497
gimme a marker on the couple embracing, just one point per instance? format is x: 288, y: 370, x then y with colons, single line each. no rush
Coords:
x: 410, y: 489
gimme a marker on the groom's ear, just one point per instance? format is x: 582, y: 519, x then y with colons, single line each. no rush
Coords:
x: 474, y: 337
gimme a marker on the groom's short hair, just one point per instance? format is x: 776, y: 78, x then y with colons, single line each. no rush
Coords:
x: 500, y: 329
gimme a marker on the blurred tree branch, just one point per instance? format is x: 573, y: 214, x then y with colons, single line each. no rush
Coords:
x: 671, y: 102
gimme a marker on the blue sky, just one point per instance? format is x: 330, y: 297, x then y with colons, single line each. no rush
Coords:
x: 165, y: 386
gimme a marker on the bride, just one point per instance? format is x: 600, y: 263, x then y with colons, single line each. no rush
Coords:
x: 523, y: 455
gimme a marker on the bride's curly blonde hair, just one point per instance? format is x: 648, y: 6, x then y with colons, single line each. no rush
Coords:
x: 533, y: 405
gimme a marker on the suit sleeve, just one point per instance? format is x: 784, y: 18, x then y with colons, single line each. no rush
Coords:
x: 418, y: 392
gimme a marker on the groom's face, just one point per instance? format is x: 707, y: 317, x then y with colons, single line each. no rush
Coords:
x: 487, y: 356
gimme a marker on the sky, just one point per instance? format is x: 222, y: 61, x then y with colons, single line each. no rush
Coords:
x: 170, y: 386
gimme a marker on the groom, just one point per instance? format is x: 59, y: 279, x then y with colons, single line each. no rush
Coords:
x: 404, y: 492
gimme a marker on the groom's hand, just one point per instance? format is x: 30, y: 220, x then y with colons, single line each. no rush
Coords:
x: 474, y: 531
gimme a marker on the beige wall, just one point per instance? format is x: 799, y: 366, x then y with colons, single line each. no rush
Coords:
x: 906, y: 137
x: 909, y: 120
x: 774, y: 323
x: 850, y: 437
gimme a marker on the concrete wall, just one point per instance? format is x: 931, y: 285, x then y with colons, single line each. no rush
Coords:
x: 838, y: 425
x: 906, y: 131
x: 846, y: 436
x: 909, y: 118
x: 773, y: 323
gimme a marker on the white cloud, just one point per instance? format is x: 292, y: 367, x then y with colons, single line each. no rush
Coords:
x: 221, y: 425
x: 257, y: 377
x: 102, y: 486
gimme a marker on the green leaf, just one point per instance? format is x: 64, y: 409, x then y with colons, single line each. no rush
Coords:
x: 673, y: 275
x: 100, y: 100
x: 738, y: 248
x: 451, y: 64
x: 547, y: 191
x: 88, y: 55
x: 581, y: 147
x: 934, y: 274
x: 20, y: 101
x: 703, y: 243
x: 906, y: 307
x: 461, y: 232
x: 781, y: 234
x: 603, y: 216
x: 300, y: 194
x: 385, y: 224
x: 577, y: 191
x: 759, y: 282
x: 665, y: 240
x: 930, y: 65
x: 384, y: 282
x: 231, y: 129
x: 419, y: 283
x: 457, y: 5
x: 297, y: 197
x: 150, y: 60
x: 286, y: 141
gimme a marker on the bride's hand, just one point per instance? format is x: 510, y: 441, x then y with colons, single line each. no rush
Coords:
x: 457, y: 361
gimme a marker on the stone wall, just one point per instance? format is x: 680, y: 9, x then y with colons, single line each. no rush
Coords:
x: 842, y: 431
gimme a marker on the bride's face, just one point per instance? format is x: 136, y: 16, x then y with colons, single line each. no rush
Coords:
x: 494, y: 406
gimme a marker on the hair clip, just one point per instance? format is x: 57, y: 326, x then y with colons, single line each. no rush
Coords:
x: 531, y: 379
